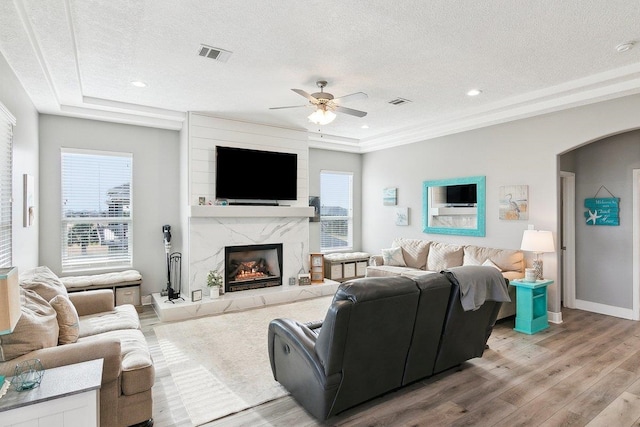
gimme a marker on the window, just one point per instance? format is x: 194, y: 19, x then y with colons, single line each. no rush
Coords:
x: 336, y: 211
x: 7, y: 121
x: 96, y: 210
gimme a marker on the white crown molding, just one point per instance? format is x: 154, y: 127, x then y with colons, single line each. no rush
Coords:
x: 135, y: 108
x: 333, y: 142
x: 600, y: 87
x: 4, y: 112
x: 119, y: 117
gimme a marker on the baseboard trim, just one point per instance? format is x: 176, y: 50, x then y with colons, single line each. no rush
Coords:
x: 609, y: 310
x: 554, y: 317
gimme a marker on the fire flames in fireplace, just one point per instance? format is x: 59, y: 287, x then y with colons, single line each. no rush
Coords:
x: 249, y: 270
x: 253, y: 266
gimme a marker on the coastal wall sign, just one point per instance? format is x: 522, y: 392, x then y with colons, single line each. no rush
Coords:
x: 602, y: 210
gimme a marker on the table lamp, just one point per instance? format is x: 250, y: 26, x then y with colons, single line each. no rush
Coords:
x: 539, y: 242
x: 10, y: 310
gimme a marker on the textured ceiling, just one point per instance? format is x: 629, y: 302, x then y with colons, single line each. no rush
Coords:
x: 78, y: 57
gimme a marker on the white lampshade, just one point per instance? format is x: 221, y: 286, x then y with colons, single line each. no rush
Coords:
x: 537, y: 241
x: 10, y: 310
x: 322, y: 117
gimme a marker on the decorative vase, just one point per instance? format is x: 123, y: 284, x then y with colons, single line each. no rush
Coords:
x: 214, y: 292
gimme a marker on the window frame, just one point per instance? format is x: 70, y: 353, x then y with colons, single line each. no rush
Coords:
x: 348, y: 217
x: 7, y: 122
x: 116, y: 257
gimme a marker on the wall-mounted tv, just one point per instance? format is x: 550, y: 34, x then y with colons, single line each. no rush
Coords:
x: 465, y: 194
x: 254, y: 175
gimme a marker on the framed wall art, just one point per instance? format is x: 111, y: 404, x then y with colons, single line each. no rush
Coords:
x: 402, y: 216
x: 390, y: 196
x: 514, y: 202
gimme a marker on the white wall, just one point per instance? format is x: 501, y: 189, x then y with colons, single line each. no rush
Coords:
x: 25, y: 161
x: 520, y: 152
x: 320, y: 160
x: 212, y: 228
x: 155, y: 189
x: 206, y: 132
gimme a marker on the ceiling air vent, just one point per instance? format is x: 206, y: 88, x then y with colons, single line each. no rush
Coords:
x: 214, y: 53
x: 399, y: 101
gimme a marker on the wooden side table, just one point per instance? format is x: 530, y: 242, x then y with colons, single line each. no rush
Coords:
x: 531, y: 305
x: 68, y: 396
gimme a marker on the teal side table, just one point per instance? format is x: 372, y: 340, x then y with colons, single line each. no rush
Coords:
x: 531, y: 305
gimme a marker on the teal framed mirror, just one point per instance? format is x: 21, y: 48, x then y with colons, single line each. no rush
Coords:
x: 454, y: 206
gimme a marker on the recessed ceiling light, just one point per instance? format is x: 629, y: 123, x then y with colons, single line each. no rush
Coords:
x: 474, y: 92
x: 623, y: 47
x: 138, y: 83
x: 365, y: 126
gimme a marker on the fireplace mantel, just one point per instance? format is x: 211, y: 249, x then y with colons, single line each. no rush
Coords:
x: 250, y: 211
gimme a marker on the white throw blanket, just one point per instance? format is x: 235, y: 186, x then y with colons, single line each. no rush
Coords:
x: 478, y: 284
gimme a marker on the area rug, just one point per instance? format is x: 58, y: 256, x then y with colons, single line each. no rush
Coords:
x: 220, y: 364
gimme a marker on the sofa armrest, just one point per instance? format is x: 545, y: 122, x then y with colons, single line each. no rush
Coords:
x: 62, y: 355
x: 91, y: 302
x: 376, y: 260
x: 297, y: 338
x: 297, y: 367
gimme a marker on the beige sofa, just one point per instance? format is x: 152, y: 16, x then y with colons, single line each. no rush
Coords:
x: 61, y: 329
x: 416, y: 257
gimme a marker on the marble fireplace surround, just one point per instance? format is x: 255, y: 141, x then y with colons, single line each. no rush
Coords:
x: 211, y: 228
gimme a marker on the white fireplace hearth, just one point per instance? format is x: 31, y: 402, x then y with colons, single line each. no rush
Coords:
x: 237, y: 301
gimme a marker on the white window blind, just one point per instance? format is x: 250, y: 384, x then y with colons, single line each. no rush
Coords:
x: 96, y: 210
x: 336, y: 211
x: 6, y: 160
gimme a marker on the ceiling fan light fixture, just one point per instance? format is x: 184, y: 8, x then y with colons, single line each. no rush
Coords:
x: 322, y: 117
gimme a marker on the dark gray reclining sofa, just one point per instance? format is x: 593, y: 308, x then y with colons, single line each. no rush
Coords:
x: 382, y: 333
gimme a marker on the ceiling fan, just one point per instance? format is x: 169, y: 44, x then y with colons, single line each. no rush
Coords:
x: 325, y: 104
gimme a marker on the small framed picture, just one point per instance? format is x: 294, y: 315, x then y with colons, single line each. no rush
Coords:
x: 196, y: 295
x: 304, y: 279
x: 201, y: 201
x: 390, y: 196
x: 402, y: 216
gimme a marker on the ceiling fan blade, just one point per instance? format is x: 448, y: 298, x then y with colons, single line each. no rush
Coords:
x: 350, y: 111
x: 290, y: 106
x: 351, y: 97
x: 306, y: 95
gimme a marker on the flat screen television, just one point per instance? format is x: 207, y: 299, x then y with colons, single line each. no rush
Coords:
x: 254, y: 175
x: 465, y: 194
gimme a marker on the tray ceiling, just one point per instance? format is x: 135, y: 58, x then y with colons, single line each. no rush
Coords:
x: 78, y: 58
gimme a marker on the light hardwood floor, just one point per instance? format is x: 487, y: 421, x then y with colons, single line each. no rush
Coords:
x: 585, y: 371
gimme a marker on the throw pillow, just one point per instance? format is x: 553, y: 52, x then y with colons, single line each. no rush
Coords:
x: 393, y: 256
x: 68, y: 321
x: 489, y: 263
x: 443, y: 256
x: 43, y: 281
x: 414, y: 251
x: 36, y: 329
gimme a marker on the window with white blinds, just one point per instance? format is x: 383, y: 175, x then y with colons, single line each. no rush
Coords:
x: 336, y: 211
x: 6, y: 160
x: 96, y: 210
